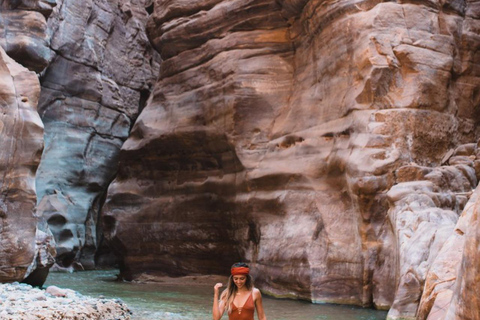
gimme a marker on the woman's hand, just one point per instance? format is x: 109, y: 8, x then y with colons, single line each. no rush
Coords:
x: 217, y: 287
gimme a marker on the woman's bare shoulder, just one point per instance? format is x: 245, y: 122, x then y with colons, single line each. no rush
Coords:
x: 256, y: 292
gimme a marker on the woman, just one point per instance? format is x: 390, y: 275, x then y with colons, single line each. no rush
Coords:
x: 240, y: 299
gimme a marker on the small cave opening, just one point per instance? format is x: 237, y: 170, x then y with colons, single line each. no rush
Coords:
x: 65, y: 235
x: 149, y: 9
x: 476, y: 114
x: 57, y: 220
x: 144, y: 95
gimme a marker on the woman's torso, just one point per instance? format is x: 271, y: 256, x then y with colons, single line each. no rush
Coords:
x: 245, y: 312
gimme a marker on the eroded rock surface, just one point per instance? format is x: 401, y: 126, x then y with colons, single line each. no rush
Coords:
x: 465, y: 301
x: 23, y: 27
x: 316, y: 140
x: 275, y: 134
x: 28, y: 247
x: 43, y: 6
x: 21, y: 146
x: 442, y: 276
x: 450, y: 290
x: 424, y: 208
x: 92, y: 92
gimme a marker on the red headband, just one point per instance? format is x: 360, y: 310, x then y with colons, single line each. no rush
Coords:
x: 239, y: 270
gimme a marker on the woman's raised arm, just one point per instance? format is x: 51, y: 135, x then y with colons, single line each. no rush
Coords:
x: 218, y: 307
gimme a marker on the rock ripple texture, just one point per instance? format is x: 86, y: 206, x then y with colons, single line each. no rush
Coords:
x: 27, y: 245
x: 92, y: 91
x: 21, y: 145
x: 23, y: 302
x: 307, y: 137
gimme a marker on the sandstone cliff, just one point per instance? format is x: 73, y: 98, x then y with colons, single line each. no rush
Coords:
x: 27, y: 246
x: 332, y: 145
x: 290, y: 134
x: 96, y: 68
x: 21, y: 135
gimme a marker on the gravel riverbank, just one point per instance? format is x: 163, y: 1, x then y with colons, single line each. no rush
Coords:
x: 23, y: 302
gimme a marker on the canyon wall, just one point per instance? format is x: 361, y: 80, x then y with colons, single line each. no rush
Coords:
x: 22, y: 142
x: 92, y: 91
x: 445, y: 290
x: 315, y: 140
x: 96, y: 68
x: 27, y: 248
x: 331, y: 145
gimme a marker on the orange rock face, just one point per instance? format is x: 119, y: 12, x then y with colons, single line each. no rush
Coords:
x: 27, y: 245
x: 274, y: 135
x: 332, y: 145
x: 20, y: 150
x: 465, y: 301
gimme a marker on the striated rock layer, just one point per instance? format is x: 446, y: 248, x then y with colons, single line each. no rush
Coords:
x: 465, y: 301
x: 451, y: 287
x: 276, y: 132
x: 97, y: 68
x: 23, y: 27
x: 424, y: 207
x: 92, y: 91
x: 21, y: 146
x: 27, y: 245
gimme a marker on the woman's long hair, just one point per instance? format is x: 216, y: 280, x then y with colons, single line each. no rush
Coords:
x: 228, y: 295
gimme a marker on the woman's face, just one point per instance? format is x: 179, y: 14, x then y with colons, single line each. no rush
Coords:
x: 240, y: 280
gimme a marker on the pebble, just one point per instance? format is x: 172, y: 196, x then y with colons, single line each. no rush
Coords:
x: 19, y: 301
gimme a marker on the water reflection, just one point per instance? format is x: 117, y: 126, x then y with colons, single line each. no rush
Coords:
x: 189, y: 301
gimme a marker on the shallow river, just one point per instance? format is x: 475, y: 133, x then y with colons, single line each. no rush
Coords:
x: 158, y: 301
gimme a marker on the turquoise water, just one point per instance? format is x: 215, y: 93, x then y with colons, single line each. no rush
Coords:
x: 186, y: 301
